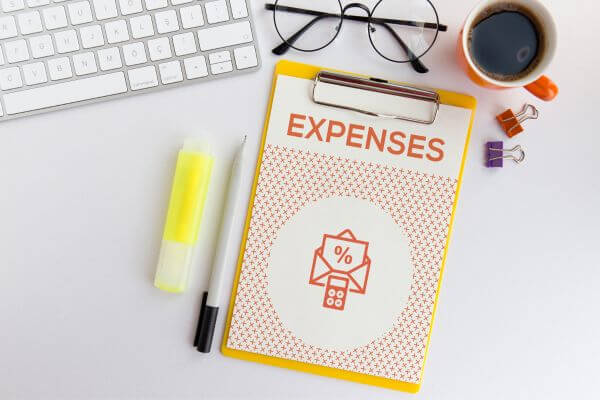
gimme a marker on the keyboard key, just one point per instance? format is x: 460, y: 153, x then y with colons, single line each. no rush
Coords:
x: 41, y: 46
x: 170, y: 72
x: 8, y: 27
x: 166, y: 21
x: 159, y: 49
x: 245, y: 57
x: 219, y: 56
x: 224, y: 35
x: 178, y: 2
x: 16, y: 51
x: 134, y: 54
x: 184, y: 44
x: 80, y: 12
x: 12, y: 5
x: 142, y: 78
x: 130, y: 6
x: 155, y: 4
x: 238, y: 8
x: 1, y: 112
x: 221, y: 68
x: 116, y: 31
x: 1, y: 57
x: 66, y: 41
x: 195, y: 67
x: 65, y: 93
x: 216, y: 11
x: 191, y: 17
x: 85, y: 64
x: 37, y: 3
x: 34, y: 73
x: 141, y: 26
x: 105, y: 9
x: 109, y: 59
x: 55, y: 17
x: 91, y: 36
x: 10, y: 78
x: 59, y: 68
x: 30, y: 22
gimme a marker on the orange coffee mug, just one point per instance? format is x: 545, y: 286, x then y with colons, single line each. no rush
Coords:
x: 534, y: 80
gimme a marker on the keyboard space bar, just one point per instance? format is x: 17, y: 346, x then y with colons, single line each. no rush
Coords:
x: 65, y: 93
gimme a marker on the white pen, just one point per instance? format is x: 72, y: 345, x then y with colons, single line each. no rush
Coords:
x: 210, y: 300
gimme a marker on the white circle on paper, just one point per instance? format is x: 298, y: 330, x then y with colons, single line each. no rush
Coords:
x: 365, y: 317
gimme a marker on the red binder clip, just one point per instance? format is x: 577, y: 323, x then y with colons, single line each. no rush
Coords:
x: 511, y: 122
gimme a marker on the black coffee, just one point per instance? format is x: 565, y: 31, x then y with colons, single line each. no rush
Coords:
x: 505, y: 43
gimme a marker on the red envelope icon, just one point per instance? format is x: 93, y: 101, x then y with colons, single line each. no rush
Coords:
x: 340, y: 258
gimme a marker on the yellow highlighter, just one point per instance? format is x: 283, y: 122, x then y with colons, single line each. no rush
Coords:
x: 188, y: 194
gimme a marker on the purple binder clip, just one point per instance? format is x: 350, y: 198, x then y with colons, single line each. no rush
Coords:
x: 496, y: 154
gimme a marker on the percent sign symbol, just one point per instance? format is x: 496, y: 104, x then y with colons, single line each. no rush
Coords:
x: 343, y: 254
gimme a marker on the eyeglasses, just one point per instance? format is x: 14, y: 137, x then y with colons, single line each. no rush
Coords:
x: 399, y: 31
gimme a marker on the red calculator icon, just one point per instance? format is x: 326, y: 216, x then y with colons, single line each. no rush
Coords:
x: 342, y: 265
x: 335, y: 293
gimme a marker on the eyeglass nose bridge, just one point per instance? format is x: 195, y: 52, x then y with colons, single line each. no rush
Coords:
x: 362, y: 6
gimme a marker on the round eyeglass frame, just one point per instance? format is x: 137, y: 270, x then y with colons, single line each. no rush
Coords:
x: 370, y: 29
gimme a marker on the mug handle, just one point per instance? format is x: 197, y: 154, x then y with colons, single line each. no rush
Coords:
x: 543, y: 88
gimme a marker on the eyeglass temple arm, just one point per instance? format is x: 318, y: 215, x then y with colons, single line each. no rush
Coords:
x: 415, y: 62
x: 285, y: 46
x: 440, y: 27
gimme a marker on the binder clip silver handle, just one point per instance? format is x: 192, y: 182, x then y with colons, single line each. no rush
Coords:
x: 528, y: 111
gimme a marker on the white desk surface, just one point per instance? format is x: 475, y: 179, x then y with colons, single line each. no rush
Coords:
x: 83, y: 195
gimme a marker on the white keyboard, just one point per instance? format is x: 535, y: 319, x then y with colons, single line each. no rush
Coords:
x: 60, y: 53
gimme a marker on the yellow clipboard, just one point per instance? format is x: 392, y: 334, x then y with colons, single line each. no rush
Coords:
x: 309, y: 72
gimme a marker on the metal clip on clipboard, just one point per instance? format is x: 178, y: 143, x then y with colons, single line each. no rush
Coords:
x: 380, y: 97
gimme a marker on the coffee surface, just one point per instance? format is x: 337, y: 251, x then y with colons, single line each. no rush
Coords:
x: 505, y: 44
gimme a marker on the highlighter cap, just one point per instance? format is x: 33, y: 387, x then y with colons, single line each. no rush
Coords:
x: 186, y: 205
